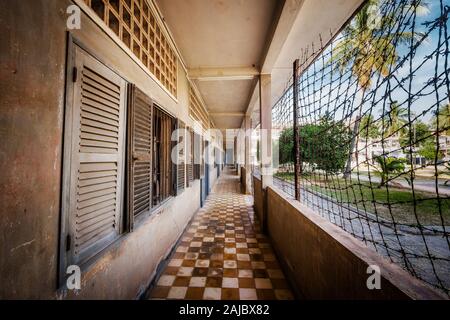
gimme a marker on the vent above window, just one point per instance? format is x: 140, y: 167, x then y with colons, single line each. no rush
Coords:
x: 136, y: 26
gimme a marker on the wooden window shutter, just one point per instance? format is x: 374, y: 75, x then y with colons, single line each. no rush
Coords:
x: 181, y: 161
x: 203, y: 149
x: 164, y: 170
x: 94, y: 158
x: 196, y: 155
x: 171, y: 164
x: 140, y: 148
x: 190, y: 157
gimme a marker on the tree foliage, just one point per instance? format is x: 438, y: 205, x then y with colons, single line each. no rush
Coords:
x: 323, y: 146
x: 286, y: 146
x: 429, y: 151
x: 369, y: 43
x: 444, y: 120
x: 394, y: 120
x: 369, y: 128
x: 418, y: 137
x: 331, y: 145
x: 387, y: 166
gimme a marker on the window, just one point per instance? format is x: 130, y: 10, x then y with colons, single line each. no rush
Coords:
x: 197, y: 155
x: 94, y: 155
x: 152, y: 176
x: 140, y: 147
x: 117, y: 158
x: 164, y: 170
x: 190, y: 156
x: 181, y: 161
x: 197, y: 111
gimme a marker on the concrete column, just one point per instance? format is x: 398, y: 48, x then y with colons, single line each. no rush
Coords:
x: 240, y: 149
x: 235, y: 153
x: 248, y: 167
x: 265, y: 108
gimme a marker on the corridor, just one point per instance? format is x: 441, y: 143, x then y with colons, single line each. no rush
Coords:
x: 223, y: 255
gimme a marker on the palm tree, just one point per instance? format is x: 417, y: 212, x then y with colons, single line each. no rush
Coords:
x: 369, y: 48
x: 444, y: 120
x: 394, y: 120
x: 387, y: 166
x: 369, y: 128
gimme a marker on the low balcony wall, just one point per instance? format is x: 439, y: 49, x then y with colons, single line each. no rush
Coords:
x: 324, y: 262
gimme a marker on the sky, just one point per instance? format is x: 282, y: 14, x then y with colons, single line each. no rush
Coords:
x: 324, y: 88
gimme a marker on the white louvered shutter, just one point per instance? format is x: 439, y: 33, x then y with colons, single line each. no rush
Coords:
x: 181, y: 163
x: 190, y: 156
x: 140, y: 137
x: 97, y: 157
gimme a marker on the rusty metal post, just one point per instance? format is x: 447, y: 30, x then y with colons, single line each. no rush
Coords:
x: 297, y: 160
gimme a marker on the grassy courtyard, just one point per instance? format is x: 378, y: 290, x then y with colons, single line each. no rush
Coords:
x: 397, y: 203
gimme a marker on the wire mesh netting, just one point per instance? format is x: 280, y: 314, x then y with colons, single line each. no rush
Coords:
x: 373, y: 124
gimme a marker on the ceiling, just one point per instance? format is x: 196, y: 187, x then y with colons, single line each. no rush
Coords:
x: 220, y: 35
x: 303, y: 24
x: 226, y: 44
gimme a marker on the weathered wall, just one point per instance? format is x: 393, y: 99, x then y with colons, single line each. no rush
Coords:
x: 32, y: 91
x: 31, y: 122
x: 325, y: 262
x: 125, y: 270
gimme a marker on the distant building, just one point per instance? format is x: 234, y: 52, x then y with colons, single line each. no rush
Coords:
x: 368, y: 149
x: 444, y: 147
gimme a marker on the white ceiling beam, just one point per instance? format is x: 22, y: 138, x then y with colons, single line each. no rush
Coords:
x: 252, y: 102
x: 227, y: 114
x: 280, y: 30
x: 220, y: 74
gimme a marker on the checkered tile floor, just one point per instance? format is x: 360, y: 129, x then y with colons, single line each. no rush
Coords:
x: 223, y: 255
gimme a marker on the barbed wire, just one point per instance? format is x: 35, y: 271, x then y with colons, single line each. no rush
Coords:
x: 373, y: 119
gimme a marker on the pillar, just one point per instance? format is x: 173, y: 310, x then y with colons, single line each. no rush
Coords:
x: 248, y: 167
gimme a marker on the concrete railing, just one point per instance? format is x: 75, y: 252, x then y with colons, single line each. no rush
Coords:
x: 322, y: 261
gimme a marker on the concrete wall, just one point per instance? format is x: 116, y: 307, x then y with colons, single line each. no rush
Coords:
x: 325, y: 262
x: 32, y: 82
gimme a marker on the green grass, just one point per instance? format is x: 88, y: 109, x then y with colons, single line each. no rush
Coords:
x: 376, y: 200
x: 287, y: 176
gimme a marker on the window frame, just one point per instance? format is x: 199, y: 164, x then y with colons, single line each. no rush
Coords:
x: 171, y: 179
x: 126, y: 224
x: 132, y: 219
